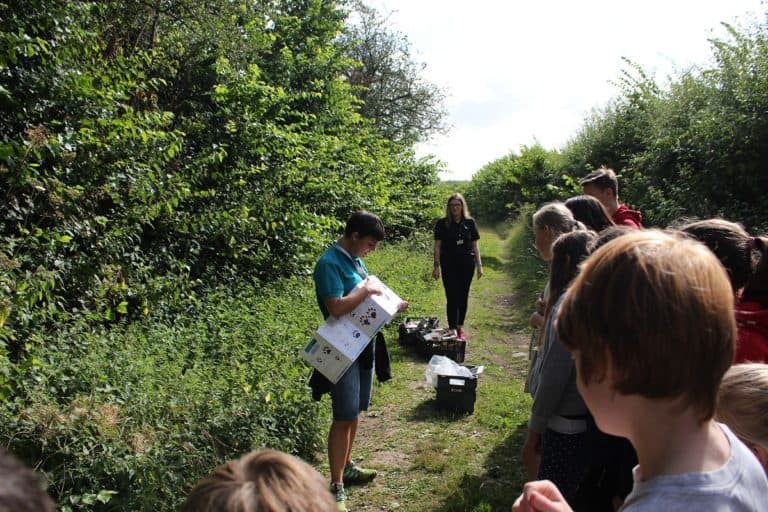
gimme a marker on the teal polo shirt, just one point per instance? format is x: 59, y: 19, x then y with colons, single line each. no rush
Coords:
x: 335, y: 275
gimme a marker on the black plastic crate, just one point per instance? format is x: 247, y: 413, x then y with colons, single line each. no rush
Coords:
x: 412, y: 330
x: 451, y: 347
x: 457, y: 394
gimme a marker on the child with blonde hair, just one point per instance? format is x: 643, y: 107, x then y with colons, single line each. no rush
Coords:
x: 742, y: 404
x: 262, y: 481
x: 649, y: 321
x: 549, y: 222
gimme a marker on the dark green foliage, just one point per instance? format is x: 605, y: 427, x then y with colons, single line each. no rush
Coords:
x: 161, y: 165
x: 697, y: 147
x: 153, y: 146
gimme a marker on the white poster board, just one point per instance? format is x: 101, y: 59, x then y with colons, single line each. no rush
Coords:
x: 338, y: 342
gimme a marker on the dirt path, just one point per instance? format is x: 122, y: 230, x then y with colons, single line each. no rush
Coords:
x: 433, y: 461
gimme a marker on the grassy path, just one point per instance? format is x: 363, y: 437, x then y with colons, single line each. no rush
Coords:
x: 433, y: 461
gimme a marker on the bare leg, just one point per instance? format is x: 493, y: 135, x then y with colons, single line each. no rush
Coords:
x: 340, y: 439
x: 352, y: 434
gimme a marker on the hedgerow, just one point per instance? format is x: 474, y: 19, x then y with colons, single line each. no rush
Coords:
x: 134, y: 414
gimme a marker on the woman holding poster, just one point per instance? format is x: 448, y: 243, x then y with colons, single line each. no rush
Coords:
x: 342, y: 284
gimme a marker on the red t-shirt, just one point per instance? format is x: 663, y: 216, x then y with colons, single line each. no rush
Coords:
x: 623, y: 216
x: 752, y: 323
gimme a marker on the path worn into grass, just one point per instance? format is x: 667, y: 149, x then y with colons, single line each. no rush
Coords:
x: 432, y: 461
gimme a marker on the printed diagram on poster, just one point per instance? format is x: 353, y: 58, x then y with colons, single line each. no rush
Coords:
x: 338, y: 342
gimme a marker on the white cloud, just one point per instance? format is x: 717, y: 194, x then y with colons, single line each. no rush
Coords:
x: 523, y: 71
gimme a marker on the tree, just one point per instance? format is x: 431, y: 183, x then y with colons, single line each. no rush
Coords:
x: 402, y: 104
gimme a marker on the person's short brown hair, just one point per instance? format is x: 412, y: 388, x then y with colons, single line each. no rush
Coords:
x: 602, y: 178
x: 365, y: 223
x: 661, y: 307
x: 262, y: 481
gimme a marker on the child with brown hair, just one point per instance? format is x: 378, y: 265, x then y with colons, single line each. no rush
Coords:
x: 742, y: 404
x: 590, y: 211
x: 262, y: 481
x: 735, y: 249
x: 556, y: 445
x: 603, y: 185
x: 650, y: 324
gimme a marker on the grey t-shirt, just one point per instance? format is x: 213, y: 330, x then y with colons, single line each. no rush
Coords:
x: 739, y: 486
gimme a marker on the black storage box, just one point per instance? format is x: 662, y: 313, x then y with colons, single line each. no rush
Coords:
x: 439, y: 343
x: 412, y: 330
x: 457, y: 394
x: 452, y: 347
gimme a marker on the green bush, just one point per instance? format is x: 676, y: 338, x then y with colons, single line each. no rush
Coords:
x: 142, y: 410
x: 501, y: 188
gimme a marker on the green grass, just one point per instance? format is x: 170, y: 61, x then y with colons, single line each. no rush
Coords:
x: 435, y: 461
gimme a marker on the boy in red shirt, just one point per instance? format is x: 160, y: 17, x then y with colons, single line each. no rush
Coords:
x: 603, y: 186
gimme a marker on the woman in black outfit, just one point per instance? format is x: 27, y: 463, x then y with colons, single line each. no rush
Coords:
x: 456, y: 257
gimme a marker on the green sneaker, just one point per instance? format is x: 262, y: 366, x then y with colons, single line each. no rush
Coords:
x: 354, y: 474
x: 341, y: 498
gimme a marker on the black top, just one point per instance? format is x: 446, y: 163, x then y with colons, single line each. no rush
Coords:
x: 456, y: 239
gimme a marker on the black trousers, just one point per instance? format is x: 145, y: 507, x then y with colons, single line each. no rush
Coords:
x: 457, y: 276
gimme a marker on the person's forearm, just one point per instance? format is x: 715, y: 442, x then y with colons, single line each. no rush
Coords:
x: 340, y: 306
x: 436, y: 254
x: 476, y: 250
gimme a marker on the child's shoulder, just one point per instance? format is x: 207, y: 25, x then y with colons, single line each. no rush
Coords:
x: 739, y: 485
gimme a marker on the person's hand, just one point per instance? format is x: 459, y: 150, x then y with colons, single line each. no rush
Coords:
x: 541, y: 306
x: 372, y: 286
x: 402, y: 306
x: 531, y: 454
x: 479, y: 271
x: 436, y: 272
x: 537, y: 320
x: 541, y: 496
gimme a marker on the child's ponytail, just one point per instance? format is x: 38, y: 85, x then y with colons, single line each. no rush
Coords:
x: 756, y: 288
x: 579, y: 226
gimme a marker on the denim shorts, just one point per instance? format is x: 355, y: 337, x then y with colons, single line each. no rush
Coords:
x: 352, y: 393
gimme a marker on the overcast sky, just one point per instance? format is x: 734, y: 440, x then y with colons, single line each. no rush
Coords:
x: 517, y: 72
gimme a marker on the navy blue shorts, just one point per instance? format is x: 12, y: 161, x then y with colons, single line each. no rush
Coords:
x: 352, y: 393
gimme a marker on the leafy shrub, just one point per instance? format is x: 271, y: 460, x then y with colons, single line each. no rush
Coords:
x: 136, y: 413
